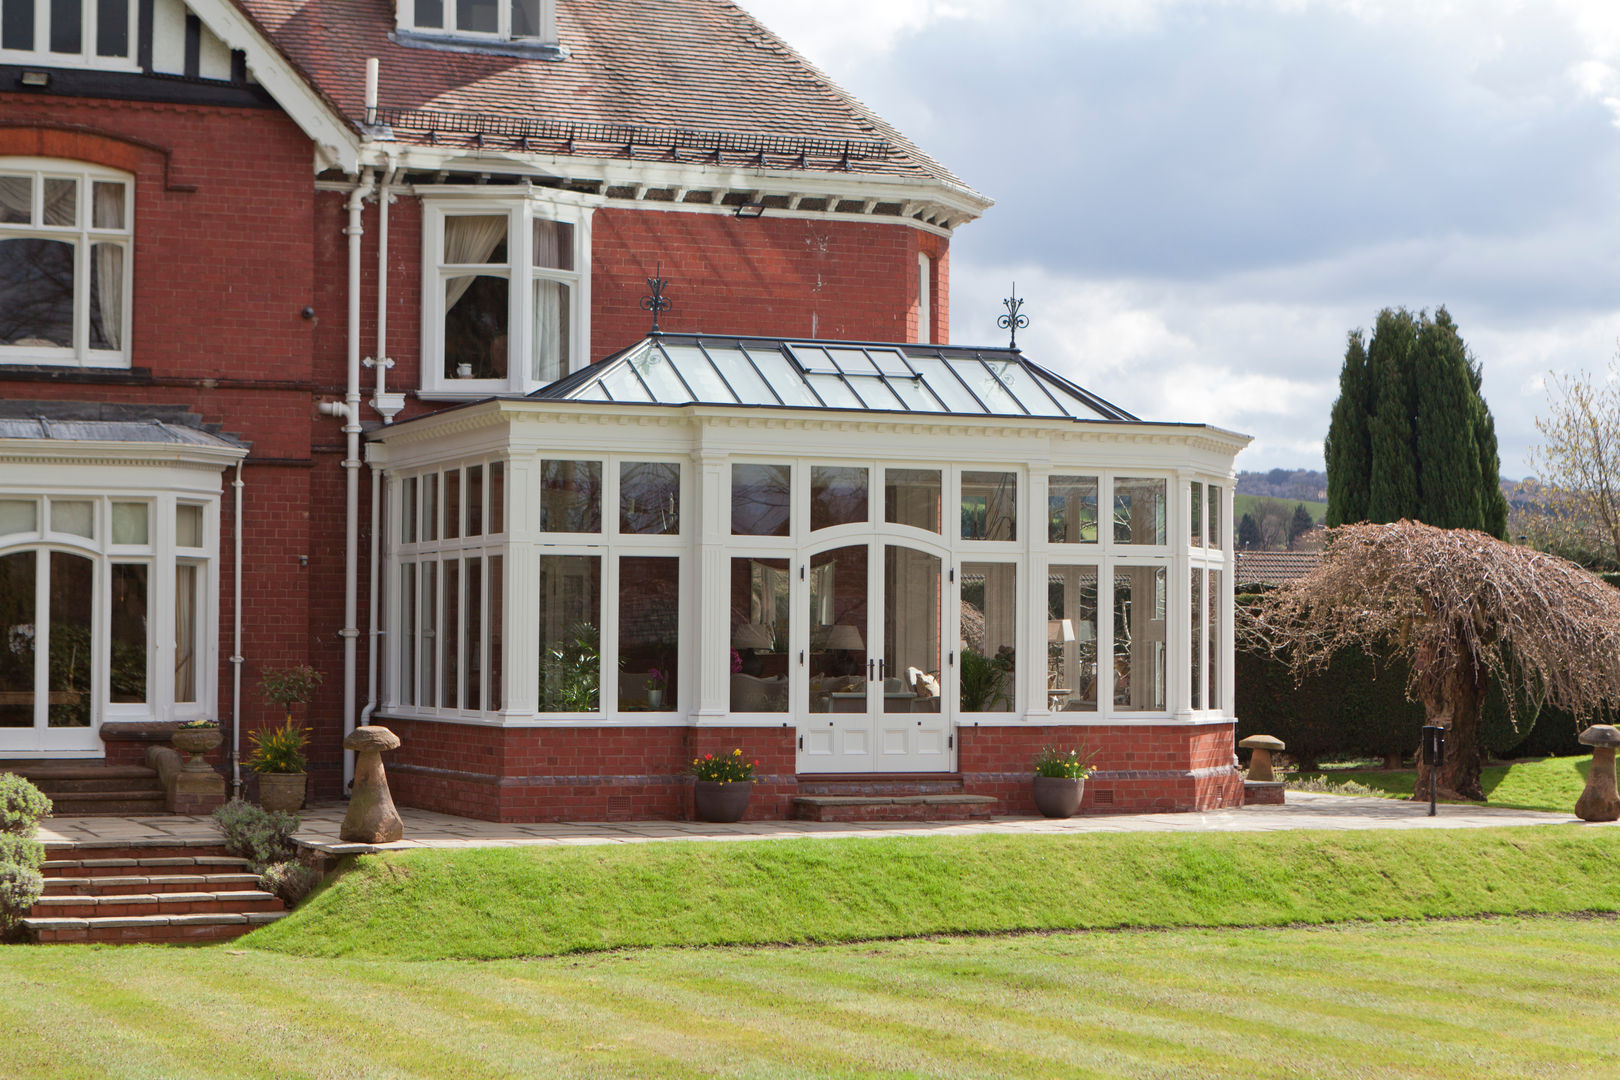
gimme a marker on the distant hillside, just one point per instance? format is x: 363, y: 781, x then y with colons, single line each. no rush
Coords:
x: 1298, y: 485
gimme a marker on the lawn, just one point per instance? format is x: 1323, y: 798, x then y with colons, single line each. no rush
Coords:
x: 1462, y: 1000
x: 492, y: 903
x: 1551, y: 784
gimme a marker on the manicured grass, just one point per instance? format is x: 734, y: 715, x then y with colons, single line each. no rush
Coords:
x: 1438, y: 1001
x: 1551, y: 784
x: 507, y: 902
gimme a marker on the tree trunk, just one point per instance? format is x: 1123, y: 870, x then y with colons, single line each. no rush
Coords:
x: 1452, y: 698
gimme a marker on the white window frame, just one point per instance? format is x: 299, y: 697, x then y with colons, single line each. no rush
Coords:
x: 82, y: 236
x: 521, y: 209
x: 406, y: 20
x: 86, y: 56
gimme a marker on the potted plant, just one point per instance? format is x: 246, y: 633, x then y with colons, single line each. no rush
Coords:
x: 656, y: 681
x: 1060, y: 780
x: 196, y: 738
x: 723, y: 786
x: 278, y: 753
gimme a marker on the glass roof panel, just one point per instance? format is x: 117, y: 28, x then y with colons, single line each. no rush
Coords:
x: 937, y: 374
x: 876, y: 393
x: 1077, y: 407
x: 700, y: 374
x: 889, y: 361
x: 812, y: 358
x: 594, y: 392
x: 623, y: 385
x: 915, y: 395
x: 1021, y: 381
x: 989, y: 391
x: 835, y: 392
x: 660, y: 377
x: 852, y: 362
x: 786, y: 381
x: 744, y: 378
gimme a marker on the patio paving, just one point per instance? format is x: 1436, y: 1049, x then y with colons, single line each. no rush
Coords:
x: 426, y: 829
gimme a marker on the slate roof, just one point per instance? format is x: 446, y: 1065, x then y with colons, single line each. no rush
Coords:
x: 697, y: 69
x: 146, y: 432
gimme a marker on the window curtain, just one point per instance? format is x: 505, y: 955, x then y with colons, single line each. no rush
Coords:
x: 109, y: 268
x: 185, y: 633
x: 553, y: 249
x: 469, y: 241
x: 16, y: 199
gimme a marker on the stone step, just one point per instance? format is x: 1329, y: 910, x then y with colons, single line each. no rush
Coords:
x: 142, y: 883
x: 893, y: 807
x: 41, y: 772
x: 80, y: 787
x: 100, y: 803
x: 141, y: 864
x: 879, y: 784
x: 174, y: 903
x: 173, y: 929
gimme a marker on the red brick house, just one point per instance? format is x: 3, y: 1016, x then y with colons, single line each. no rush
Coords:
x: 307, y: 359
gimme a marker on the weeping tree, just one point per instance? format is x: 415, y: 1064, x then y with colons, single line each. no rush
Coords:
x: 1463, y: 609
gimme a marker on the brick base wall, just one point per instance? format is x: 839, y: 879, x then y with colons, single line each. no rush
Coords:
x: 639, y: 773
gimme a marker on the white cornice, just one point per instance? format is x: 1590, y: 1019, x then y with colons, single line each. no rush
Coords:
x: 91, y: 452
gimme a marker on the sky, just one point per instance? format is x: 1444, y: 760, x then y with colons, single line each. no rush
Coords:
x: 1199, y: 199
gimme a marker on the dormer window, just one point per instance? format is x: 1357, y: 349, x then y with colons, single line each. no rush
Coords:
x: 69, y: 33
x: 518, y: 21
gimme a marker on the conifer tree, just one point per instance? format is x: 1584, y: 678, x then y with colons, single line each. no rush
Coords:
x: 1444, y: 428
x: 1392, y: 483
x: 1301, y: 523
x: 1249, y: 533
x: 1348, y: 450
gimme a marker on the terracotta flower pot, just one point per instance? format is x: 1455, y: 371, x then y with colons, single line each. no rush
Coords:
x: 715, y: 801
x: 282, y: 791
x: 1058, y: 796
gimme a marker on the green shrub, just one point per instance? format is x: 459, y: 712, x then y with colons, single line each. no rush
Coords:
x: 24, y: 851
x: 263, y: 837
x: 20, y: 886
x: 291, y: 880
x: 21, y: 805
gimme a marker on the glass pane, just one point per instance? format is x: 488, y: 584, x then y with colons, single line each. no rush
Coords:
x: 780, y: 373
x: 623, y: 385
x: 1022, y: 382
x: 659, y: 375
x: 36, y: 293
x: 407, y: 634
x: 107, y: 207
x: 187, y: 598
x: 112, y: 27
x: 129, y: 523
x: 430, y: 634
x: 407, y: 511
x: 835, y: 392
x: 978, y: 379
x: 188, y: 526
x: 1195, y: 526
x: 1212, y: 611
x: 759, y: 635
x: 837, y: 496
x: 746, y: 382
x: 1071, y: 509
x: 1197, y: 637
x: 497, y: 604
x: 128, y: 639
x: 452, y: 504
x: 430, y: 14
x: 18, y: 516
x: 1216, y: 538
x: 430, y: 507
x: 553, y: 240
x: 699, y: 374
x: 475, y: 327
x: 478, y: 16
x: 450, y: 658
x: 1139, y: 511
x: 74, y: 517
x: 525, y: 18
x: 16, y: 192
x: 1139, y: 645
x: 987, y: 674
x: 475, y: 239
x: 649, y: 498
x: 61, y: 205
x: 838, y: 630
x: 989, y: 506
x: 497, y: 496
x: 760, y: 500
x: 911, y: 643
x: 67, y: 26
x: 553, y: 303
x: 72, y: 587
x: 106, y: 296
x: 475, y: 500
x: 889, y: 362
x: 475, y: 633
x: 17, y: 622
x: 913, y: 497
x: 875, y: 394
x: 852, y: 362
x: 649, y: 634
x: 571, y: 496
x: 16, y: 32
x: 570, y: 643
x: 915, y: 395
x: 1071, y: 638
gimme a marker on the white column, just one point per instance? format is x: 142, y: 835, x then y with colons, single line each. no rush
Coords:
x: 713, y: 518
x: 520, y: 673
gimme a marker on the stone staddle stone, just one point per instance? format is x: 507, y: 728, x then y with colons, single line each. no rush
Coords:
x: 1260, y: 761
x: 1600, y: 801
x: 372, y: 818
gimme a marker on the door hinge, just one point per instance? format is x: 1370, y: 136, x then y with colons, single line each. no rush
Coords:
x: 950, y: 742
x: 953, y: 575
x: 950, y: 659
x: 801, y: 742
x: 801, y: 571
x: 801, y: 658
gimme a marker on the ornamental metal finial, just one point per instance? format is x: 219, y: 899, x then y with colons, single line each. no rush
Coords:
x: 1012, y: 322
x: 656, y: 301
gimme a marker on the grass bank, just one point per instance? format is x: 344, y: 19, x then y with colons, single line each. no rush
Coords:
x: 1551, y: 784
x: 509, y: 902
x: 1436, y: 1001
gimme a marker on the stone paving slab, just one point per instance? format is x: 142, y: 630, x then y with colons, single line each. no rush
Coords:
x: 426, y: 829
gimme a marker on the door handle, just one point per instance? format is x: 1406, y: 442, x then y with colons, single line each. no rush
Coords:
x: 871, y: 665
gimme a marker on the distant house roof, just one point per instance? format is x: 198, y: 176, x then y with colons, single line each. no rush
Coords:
x: 1274, y: 567
x: 688, y: 369
x: 693, y: 81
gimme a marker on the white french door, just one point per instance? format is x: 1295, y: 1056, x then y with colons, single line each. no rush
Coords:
x: 48, y: 615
